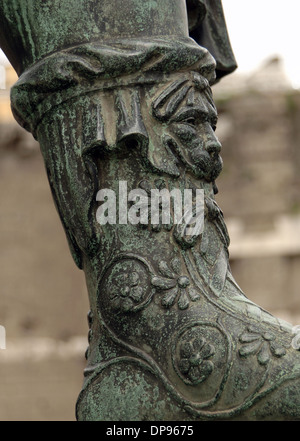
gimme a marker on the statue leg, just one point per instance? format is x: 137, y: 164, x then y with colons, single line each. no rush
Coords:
x: 125, y: 118
x: 172, y: 336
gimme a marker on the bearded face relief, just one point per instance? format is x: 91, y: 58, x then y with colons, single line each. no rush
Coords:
x: 188, y: 109
x: 121, y: 114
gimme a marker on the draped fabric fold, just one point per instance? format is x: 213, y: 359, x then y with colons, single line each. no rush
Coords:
x: 208, y: 28
x: 97, y: 66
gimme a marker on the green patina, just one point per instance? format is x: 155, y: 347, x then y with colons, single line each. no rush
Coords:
x: 118, y: 91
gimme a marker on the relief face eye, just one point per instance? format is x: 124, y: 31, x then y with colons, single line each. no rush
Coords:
x: 191, y: 121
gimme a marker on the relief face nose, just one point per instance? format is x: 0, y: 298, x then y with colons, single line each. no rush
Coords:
x: 212, y: 144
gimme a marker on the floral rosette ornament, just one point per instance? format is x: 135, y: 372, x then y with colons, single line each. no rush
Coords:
x: 174, y: 285
x: 195, y: 364
x: 261, y: 344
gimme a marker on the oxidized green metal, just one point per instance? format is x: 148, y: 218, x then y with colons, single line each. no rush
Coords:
x: 118, y: 91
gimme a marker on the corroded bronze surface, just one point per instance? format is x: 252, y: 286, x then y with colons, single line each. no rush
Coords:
x: 114, y: 100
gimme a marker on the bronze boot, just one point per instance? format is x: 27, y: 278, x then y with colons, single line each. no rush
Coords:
x: 119, y: 96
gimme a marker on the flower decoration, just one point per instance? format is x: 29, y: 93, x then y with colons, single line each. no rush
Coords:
x: 126, y: 286
x: 261, y: 344
x: 130, y: 292
x: 176, y: 286
x: 194, y: 363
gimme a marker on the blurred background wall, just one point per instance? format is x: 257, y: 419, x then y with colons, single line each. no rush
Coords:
x: 43, y: 298
x: 259, y: 188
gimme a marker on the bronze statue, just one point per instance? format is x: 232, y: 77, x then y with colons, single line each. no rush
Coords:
x: 120, y: 92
